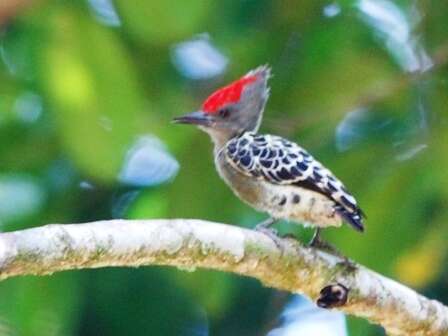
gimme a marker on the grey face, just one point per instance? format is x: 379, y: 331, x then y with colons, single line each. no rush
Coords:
x: 235, y: 118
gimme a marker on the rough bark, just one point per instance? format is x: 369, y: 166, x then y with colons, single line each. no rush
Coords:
x: 283, y: 264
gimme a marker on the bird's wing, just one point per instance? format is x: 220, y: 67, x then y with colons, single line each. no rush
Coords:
x: 279, y: 161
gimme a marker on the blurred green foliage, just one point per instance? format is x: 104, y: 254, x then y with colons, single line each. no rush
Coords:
x: 361, y: 84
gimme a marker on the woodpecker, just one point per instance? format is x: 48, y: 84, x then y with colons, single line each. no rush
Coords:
x: 270, y: 173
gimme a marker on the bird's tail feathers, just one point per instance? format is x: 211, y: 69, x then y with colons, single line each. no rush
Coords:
x: 354, y: 218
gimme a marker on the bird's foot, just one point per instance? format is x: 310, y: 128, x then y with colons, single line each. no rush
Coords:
x: 264, y: 227
x: 266, y: 224
x: 348, y: 264
x: 290, y: 236
x: 271, y: 233
x: 319, y: 243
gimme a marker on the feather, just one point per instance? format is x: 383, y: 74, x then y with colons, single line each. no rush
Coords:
x: 280, y: 161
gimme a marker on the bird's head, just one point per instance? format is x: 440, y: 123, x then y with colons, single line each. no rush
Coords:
x: 233, y: 109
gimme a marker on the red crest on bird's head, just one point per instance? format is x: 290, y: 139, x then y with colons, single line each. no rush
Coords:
x: 235, y: 108
x: 231, y: 93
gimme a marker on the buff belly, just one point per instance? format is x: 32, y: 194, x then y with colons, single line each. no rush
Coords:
x: 297, y: 204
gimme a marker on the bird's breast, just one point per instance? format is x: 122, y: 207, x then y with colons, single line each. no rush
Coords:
x: 245, y: 187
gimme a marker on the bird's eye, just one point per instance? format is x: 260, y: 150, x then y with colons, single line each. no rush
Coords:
x: 224, y: 112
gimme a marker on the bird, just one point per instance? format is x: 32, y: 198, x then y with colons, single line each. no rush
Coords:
x: 268, y: 172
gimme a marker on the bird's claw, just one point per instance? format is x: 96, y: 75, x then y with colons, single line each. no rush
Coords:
x: 266, y: 224
x: 318, y: 243
x: 348, y: 264
x: 271, y: 233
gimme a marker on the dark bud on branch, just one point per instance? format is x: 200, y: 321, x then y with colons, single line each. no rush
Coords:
x: 333, y: 296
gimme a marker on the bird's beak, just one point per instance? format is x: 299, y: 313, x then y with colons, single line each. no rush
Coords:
x: 195, y: 118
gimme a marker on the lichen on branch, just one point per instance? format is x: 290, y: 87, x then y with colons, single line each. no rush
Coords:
x: 195, y: 243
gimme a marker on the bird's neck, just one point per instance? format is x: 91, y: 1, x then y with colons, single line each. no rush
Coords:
x: 219, y: 142
x: 220, y: 139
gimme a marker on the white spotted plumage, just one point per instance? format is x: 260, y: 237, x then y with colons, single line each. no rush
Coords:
x: 281, y: 162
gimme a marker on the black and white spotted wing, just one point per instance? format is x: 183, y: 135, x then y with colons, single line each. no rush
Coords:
x: 280, y: 161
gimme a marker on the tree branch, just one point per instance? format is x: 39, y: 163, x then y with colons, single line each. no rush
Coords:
x: 194, y: 243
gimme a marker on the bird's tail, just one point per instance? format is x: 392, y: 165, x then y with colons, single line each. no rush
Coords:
x: 354, y: 218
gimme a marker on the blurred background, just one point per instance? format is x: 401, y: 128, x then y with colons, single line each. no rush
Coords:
x: 87, y: 92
